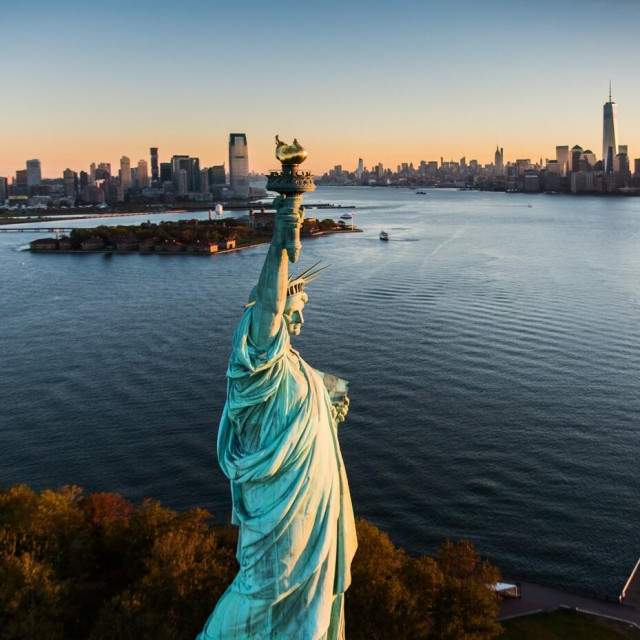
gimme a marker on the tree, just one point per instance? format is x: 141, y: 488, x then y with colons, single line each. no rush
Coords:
x: 465, y: 605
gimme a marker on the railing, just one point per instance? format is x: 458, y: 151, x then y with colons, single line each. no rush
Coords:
x: 623, y: 593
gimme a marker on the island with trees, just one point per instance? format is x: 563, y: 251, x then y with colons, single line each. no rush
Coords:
x: 182, y: 237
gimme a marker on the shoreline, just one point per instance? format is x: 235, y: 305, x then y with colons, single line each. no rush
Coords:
x: 58, y: 217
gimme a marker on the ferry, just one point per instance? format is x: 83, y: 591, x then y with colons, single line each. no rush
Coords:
x: 384, y: 236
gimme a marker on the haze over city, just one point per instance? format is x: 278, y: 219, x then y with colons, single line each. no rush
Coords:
x: 386, y: 82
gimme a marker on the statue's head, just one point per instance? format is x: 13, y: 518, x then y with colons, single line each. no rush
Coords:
x: 296, y: 298
x: 293, y: 312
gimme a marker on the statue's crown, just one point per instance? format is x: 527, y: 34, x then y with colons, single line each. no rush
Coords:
x: 296, y: 285
x: 290, y: 153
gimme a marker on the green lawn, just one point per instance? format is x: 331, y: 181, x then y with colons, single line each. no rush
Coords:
x: 566, y: 625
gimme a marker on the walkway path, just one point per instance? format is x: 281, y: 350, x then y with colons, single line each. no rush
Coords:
x: 536, y: 598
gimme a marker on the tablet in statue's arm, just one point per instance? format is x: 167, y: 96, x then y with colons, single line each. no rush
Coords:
x: 337, y: 388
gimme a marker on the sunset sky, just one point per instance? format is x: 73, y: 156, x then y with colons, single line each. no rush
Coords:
x: 386, y: 81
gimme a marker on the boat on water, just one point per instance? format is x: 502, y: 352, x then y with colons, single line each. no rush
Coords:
x: 421, y: 193
x: 346, y: 216
x: 384, y: 236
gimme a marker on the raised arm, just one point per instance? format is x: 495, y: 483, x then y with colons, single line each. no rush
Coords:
x: 271, y: 292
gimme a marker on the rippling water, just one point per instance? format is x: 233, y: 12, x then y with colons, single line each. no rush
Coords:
x: 492, y: 348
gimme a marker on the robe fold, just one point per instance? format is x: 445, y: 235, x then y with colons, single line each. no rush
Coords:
x: 278, y: 445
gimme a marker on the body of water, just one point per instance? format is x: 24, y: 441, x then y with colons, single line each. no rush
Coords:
x: 492, y: 348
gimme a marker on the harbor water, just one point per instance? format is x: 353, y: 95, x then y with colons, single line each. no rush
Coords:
x: 492, y: 348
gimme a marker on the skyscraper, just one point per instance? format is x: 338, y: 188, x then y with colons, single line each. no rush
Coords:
x: 143, y: 174
x: 610, y: 125
x: 69, y: 178
x: 562, y: 156
x: 125, y: 173
x: 239, y: 165
x: 498, y: 161
x: 360, y: 168
x: 154, y: 164
x: 34, y: 173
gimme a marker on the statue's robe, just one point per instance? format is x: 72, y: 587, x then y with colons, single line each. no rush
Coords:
x: 278, y: 445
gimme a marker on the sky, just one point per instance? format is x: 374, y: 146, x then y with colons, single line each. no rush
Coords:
x: 387, y: 81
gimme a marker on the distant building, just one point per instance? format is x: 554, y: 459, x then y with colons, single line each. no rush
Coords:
x: 217, y: 175
x: 34, y: 173
x: 609, y: 131
x: 195, y: 184
x: 103, y: 171
x: 181, y: 178
x: 92, y: 172
x: 499, y: 161
x: 180, y: 184
x: 581, y: 181
x: 155, y: 175
x: 576, y: 155
x: 204, y: 180
x: 360, y: 169
x: 562, y: 156
x: 239, y: 165
x: 4, y: 189
x: 70, y: 178
x: 165, y: 172
x: 142, y: 174
x: 125, y: 173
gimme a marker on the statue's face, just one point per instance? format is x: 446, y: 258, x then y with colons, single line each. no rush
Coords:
x: 293, y: 313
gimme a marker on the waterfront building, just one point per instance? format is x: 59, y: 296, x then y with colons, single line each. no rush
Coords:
x: 623, y: 173
x: 142, y: 174
x: 239, y: 165
x: 4, y: 189
x: 581, y: 181
x: 609, y: 132
x: 531, y: 182
x: 154, y: 164
x: 34, y: 173
x: 125, y: 173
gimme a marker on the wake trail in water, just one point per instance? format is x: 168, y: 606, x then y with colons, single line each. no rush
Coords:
x: 455, y: 236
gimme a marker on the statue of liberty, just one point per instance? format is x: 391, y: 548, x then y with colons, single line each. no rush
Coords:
x: 278, y: 445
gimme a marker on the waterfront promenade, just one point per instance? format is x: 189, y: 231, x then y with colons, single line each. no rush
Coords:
x: 536, y: 598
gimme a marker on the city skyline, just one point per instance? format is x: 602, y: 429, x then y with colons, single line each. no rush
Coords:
x: 390, y: 86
